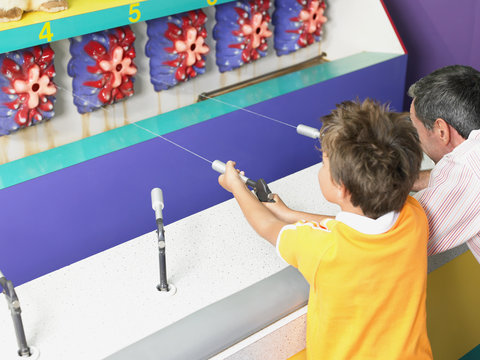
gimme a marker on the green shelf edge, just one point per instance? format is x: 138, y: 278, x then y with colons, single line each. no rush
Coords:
x: 64, y: 28
x: 58, y: 158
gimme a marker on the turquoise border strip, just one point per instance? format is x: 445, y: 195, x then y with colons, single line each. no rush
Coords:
x: 67, y: 155
x: 473, y: 354
x: 64, y: 28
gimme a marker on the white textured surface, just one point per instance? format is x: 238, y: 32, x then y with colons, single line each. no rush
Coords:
x: 101, y: 304
x: 278, y: 341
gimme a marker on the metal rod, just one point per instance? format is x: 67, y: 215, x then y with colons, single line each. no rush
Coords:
x: 303, y: 65
x: 157, y: 205
x: 23, y: 349
x: 163, y: 286
x: 15, y: 311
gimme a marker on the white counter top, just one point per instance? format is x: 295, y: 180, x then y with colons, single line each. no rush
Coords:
x: 100, y: 305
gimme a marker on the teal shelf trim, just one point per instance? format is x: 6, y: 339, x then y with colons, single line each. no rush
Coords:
x: 474, y: 354
x: 33, y: 166
x: 64, y: 28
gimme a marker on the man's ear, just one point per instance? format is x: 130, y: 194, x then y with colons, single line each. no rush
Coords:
x: 442, y: 129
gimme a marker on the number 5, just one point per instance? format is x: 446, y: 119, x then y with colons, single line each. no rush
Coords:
x: 135, y: 12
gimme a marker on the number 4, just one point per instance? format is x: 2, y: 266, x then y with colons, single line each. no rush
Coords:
x: 46, y: 32
x: 135, y: 12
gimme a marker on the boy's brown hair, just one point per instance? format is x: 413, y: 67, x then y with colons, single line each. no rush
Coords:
x: 374, y: 153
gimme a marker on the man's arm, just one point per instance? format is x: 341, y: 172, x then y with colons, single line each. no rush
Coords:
x: 422, y: 180
x: 261, y: 219
x: 451, y: 204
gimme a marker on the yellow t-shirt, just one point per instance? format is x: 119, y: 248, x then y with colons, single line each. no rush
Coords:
x: 367, y: 292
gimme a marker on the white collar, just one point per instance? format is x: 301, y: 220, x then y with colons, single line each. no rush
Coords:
x: 474, y: 134
x: 465, y: 146
x: 368, y: 225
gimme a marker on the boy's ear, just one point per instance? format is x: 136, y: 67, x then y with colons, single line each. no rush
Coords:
x: 342, y: 192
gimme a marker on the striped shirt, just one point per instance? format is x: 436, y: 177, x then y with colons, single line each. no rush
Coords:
x: 452, y: 199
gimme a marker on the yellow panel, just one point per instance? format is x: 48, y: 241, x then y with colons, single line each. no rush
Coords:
x: 453, y: 307
x: 76, y: 7
x: 302, y: 355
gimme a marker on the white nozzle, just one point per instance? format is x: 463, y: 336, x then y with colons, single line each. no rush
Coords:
x: 308, y: 131
x: 1, y: 274
x: 157, y: 202
x: 219, y: 167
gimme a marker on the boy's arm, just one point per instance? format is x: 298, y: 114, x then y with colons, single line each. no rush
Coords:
x: 262, y: 220
x: 422, y: 181
x: 290, y: 216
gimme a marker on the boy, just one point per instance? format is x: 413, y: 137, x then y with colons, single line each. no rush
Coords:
x: 367, y: 268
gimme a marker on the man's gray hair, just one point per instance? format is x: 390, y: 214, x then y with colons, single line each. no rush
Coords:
x: 451, y: 93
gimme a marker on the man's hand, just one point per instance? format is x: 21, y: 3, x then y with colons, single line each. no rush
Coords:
x: 422, y: 181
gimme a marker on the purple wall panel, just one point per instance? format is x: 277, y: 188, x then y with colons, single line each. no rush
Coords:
x: 59, y: 218
x: 437, y: 33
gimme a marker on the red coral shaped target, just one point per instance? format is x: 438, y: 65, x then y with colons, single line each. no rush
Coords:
x: 176, y: 48
x: 27, y: 88
x: 102, y: 68
x: 312, y: 19
x: 241, y: 32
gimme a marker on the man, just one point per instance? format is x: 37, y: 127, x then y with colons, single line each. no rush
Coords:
x: 446, y: 112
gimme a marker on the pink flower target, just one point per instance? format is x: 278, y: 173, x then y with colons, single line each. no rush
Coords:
x: 27, y: 88
x: 312, y: 19
x: 298, y: 23
x: 176, y: 48
x: 102, y: 68
x: 242, y: 31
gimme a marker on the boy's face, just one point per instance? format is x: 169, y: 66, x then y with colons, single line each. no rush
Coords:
x: 327, y: 185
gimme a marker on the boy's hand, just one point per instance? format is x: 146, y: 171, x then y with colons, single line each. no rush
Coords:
x: 266, y: 224
x: 278, y: 208
x: 231, y: 180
